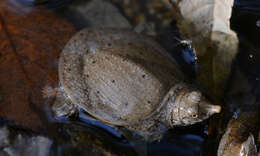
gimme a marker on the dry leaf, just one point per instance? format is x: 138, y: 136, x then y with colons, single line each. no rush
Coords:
x: 207, y: 23
x: 30, y: 43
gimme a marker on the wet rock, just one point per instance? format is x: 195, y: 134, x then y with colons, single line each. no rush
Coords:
x: 23, y: 145
x: 216, y: 45
x: 4, y: 133
x: 238, y: 139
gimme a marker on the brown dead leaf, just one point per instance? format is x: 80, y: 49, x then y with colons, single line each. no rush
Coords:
x: 31, y: 40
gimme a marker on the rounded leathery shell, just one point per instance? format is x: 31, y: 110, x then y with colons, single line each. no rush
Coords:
x: 116, y: 75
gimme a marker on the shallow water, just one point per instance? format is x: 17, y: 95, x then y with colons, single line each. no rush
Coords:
x: 181, y: 141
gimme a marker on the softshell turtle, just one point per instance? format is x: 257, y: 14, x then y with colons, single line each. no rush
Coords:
x: 126, y: 79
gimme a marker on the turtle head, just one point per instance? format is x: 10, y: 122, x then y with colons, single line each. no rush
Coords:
x: 189, y: 106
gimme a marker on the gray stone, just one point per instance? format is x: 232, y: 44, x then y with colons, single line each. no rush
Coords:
x: 23, y: 145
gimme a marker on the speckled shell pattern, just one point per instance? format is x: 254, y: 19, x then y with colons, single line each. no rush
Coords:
x: 116, y: 75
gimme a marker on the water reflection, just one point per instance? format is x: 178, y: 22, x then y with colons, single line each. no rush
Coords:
x: 248, y: 4
x: 180, y: 141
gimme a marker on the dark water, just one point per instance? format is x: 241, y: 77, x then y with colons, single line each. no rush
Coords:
x: 181, y: 141
x: 248, y: 4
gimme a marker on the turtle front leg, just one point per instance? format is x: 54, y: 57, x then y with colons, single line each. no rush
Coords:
x: 62, y: 105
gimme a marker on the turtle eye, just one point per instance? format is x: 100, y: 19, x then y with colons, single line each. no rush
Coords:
x: 194, y: 116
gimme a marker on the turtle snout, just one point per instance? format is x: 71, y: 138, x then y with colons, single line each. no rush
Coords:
x: 206, y: 109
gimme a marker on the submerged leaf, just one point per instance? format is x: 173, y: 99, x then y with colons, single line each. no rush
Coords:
x: 207, y: 23
x: 30, y: 42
